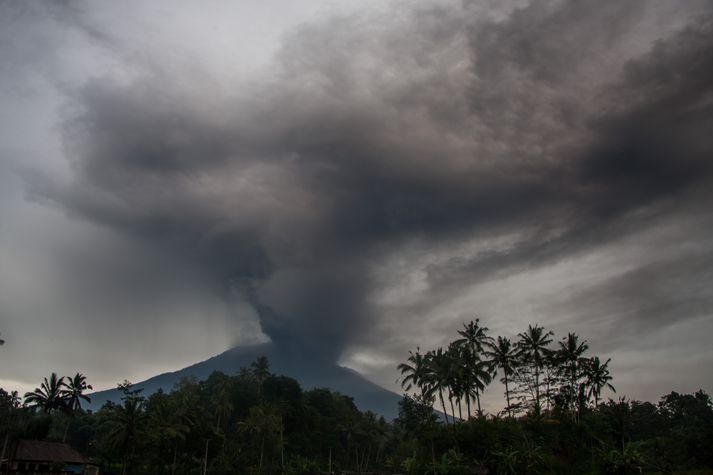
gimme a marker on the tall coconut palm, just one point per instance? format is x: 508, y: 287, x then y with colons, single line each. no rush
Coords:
x: 221, y: 399
x: 474, y: 336
x: 598, y: 377
x: 260, y: 368
x: 263, y: 421
x: 552, y: 374
x: 168, y: 422
x: 126, y: 419
x: 461, y: 381
x: 73, y: 394
x: 49, y: 396
x: 569, y: 354
x: 533, y: 348
x: 439, y: 375
x: 503, y: 355
x: 475, y: 339
x: 477, y: 375
x: 415, y: 372
x: 14, y: 400
x: 74, y: 391
x: 458, y: 377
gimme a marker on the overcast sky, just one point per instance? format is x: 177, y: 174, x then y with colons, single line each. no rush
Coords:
x: 180, y: 177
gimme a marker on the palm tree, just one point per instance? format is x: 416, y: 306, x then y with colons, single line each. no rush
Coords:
x: 73, y: 395
x: 532, y: 346
x: 439, y: 374
x: 458, y: 377
x: 127, y: 419
x: 598, y: 377
x: 222, y: 400
x: 416, y: 371
x: 475, y: 339
x: 503, y: 355
x: 570, y: 355
x: 261, y: 370
x: 170, y: 420
x: 49, y: 396
x: 74, y: 391
x: 552, y: 374
x: 263, y: 421
x: 477, y: 374
x: 15, y: 400
x: 474, y: 336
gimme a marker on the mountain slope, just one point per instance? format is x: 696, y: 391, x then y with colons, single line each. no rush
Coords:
x: 310, y: 373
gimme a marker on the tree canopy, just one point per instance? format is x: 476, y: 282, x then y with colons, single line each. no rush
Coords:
x: 556, y: 418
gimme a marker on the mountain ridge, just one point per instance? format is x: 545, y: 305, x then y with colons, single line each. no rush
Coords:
x: 310, y: 371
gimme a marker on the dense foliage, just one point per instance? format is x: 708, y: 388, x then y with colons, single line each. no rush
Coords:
x: 259, y: 422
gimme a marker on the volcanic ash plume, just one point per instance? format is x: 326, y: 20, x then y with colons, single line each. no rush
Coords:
x: 372, y: 133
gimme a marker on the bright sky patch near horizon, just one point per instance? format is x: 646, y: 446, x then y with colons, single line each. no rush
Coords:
x: 180, y: 177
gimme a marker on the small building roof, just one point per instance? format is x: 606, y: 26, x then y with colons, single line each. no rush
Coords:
x: 43, y: 451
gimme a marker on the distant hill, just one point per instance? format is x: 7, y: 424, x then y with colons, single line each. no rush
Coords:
x: 310, y: 373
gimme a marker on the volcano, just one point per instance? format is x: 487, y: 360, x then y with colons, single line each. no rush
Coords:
x: 310, y: 372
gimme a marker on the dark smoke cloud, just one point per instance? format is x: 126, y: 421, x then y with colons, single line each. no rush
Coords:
x: 667, y: 292
x: 551, y: 132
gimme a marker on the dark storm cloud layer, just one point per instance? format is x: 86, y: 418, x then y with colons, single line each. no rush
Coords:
x: 654, y: 296
x: 434, y: 125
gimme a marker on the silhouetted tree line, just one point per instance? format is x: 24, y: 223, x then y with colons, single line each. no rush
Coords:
x: 536, y: 375
x: 554, y: 420
x: 251, y: 422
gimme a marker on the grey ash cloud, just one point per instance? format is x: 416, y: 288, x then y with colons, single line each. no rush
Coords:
x: 496, y: 140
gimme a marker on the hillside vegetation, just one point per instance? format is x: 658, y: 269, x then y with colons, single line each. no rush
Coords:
x: 553, y: 421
